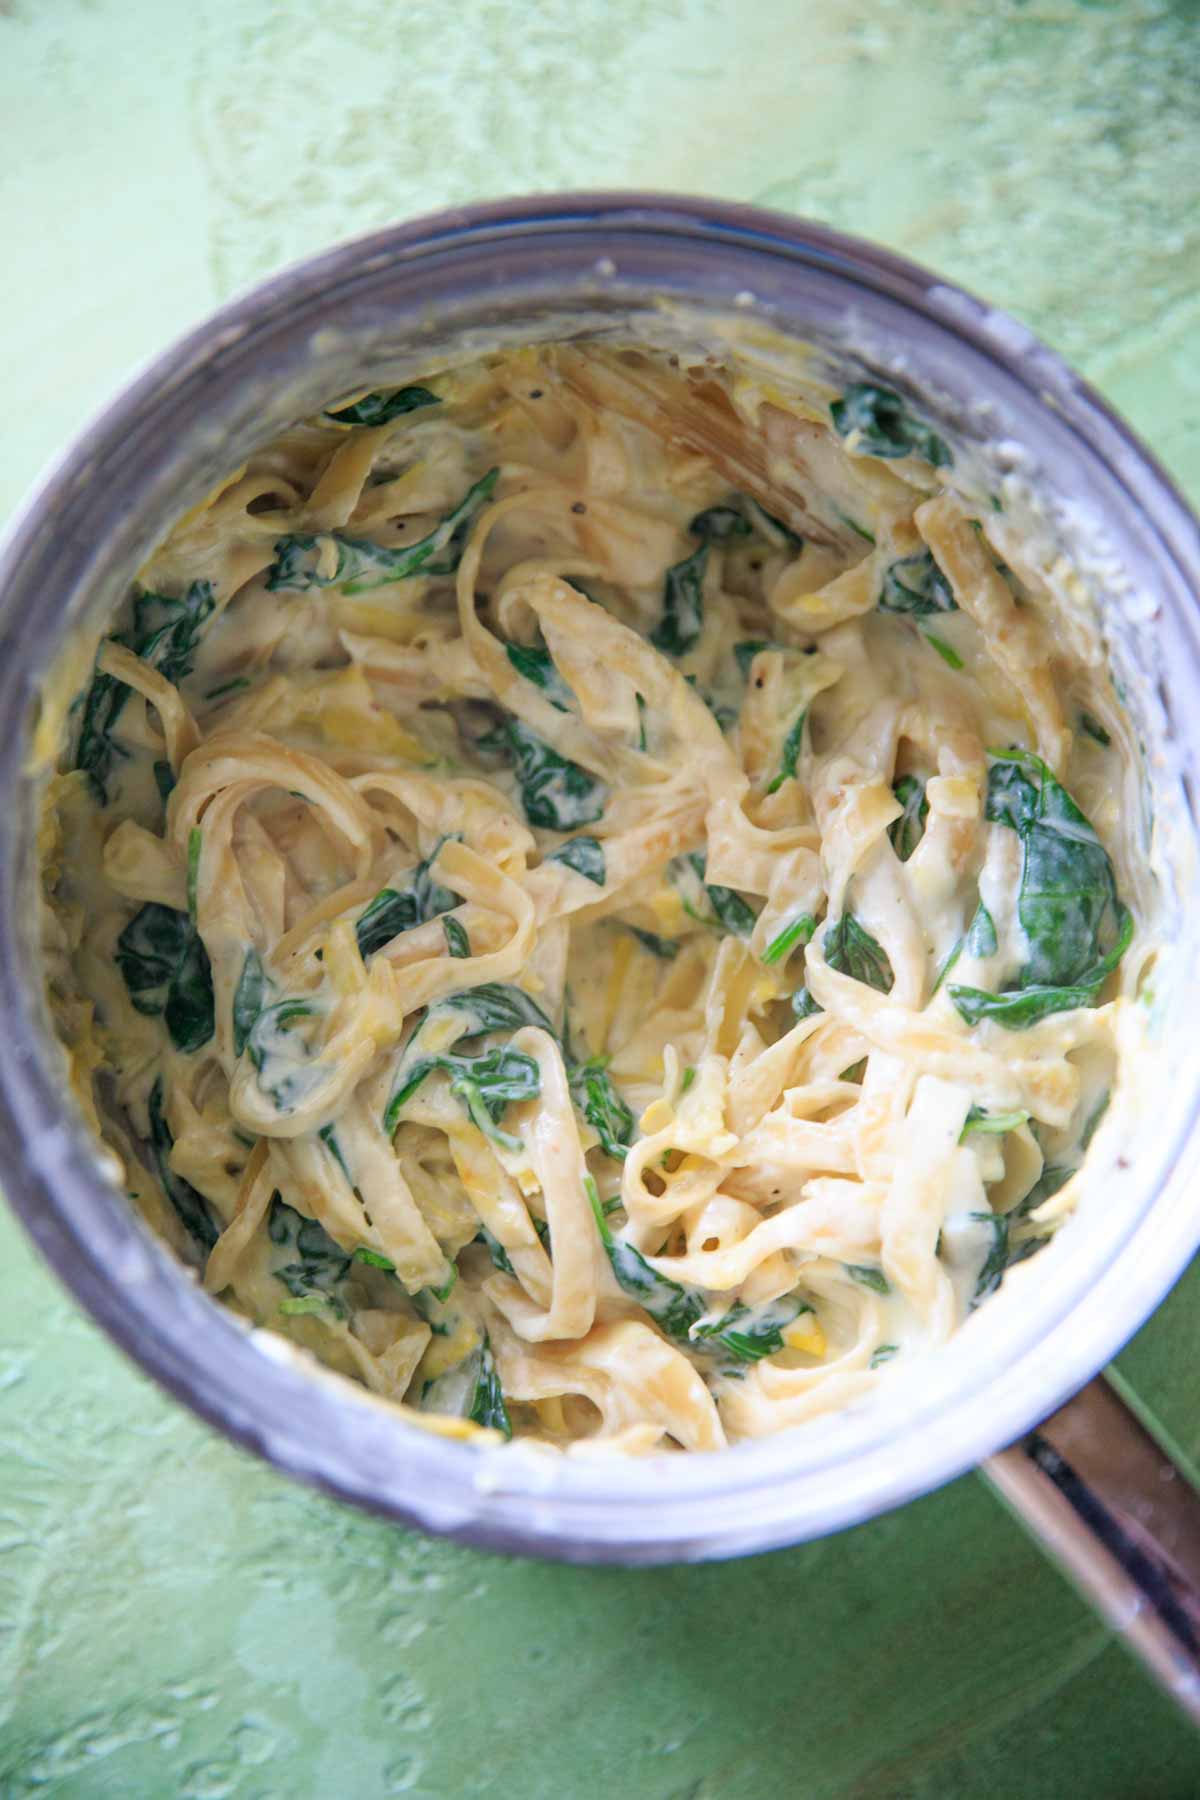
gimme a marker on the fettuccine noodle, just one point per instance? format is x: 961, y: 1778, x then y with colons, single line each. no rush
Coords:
x: 591, y: 897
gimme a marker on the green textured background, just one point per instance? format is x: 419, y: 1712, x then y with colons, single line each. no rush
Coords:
x: 174, y: 1618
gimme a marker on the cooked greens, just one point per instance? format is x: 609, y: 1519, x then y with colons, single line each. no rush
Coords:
x: 486, y: 1084
x: 360, y: 565
x: 915, y: 585
x: 708, y: 904
x: 683, y: 605
x: 885, y: 425
x: 556, y: 794
x: 166, y: 969
x: 583, y: 854
x: 193, y: 1210
x: 851, y: 950
x: 394, y: 910
x: 907, y: 831
x: 1074, y: 925
x: 164, y: 634
x: 382, y: 406
x: 603, y: 1107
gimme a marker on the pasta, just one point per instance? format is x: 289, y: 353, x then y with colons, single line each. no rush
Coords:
x: 592, y: 896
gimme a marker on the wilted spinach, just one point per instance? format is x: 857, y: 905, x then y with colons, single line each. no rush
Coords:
x: 727, y: 910
x: 907, y: 831
x: 166, y: 969
x: 868, y: 1276
x: 583, y: 854
x: 1004, y: 1252
x: 556, y: 794
x: 1075, y: 927
x: 164, y: 634
x: 394, y: 910
x: 886, y: 425
x: 790, y: 753
x: 683, y: 605
x: 797, y: 931
x: 915, y: 585
x: 193, y: 1210
x: 673, y: 1307
x: 851, y: 950
x: 249, y: 998
x: 536, y: 664
x: 486, y: 1085
x: 362, y: 565
x: 748, y: 1333
x: 666, y: 949
x: 471, y: 1390
x: 319, y: 1265
x: 382, y: 406
x: 457, y: 941
x: 603, y: 1107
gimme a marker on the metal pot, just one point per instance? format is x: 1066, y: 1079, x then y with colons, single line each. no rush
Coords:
x: 392, y: 306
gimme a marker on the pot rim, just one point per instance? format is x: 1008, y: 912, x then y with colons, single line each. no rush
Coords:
x: 755, y: 1496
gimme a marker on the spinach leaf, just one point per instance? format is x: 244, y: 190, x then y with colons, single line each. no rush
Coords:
x: 394, y: 910
x: 739, y: 518
x: 374, y: 1259
x: 193, y: 1210
x: 803, y: 1004
x: 749, y: 1333
x: 991, y: 1124
x: 536, y: 664
x: 666, y: 949
x: 382, y: 406
x: 165, y: 634
x: 328, y: 1137
x: 915, y: 585
x: 1003, y: 1254
x: 362, y: 565
x: 166, y: 968
x: 791, y: 751
x: 319, y: 1265
x: 683, y: 605
x: 1052, y: 1177
x: 672, y: 1307
x: 486, y: 1085
x: 194, y: 850
x: 947, y: 652
x: 603, y: 1107
x: 728, y: 911
x: 746, y: 652
x: 851, y: 950
x: 583, y: 854
x: 1075, y: 927
x: 556, y: 794
x: 886, y: 425
x: 471, y: 1390
x: 457, y: 941
x: 979, y: 939
x: 798, y: 931
x: 1094, y: 729
x: 496, y: 1006
x: 868, y: 1276
x: 717, y: 524
x: 907, y: 831
x: 249, y: 997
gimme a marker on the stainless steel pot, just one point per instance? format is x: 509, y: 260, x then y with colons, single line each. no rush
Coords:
x: 1091, y: 1483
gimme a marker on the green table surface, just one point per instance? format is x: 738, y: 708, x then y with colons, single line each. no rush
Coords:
x: 175, y: 1618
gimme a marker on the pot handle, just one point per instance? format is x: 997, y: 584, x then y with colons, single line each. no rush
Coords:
x: 1122, y: 1520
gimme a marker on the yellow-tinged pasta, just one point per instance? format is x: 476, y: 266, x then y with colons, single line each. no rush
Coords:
x: 515, y: 925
